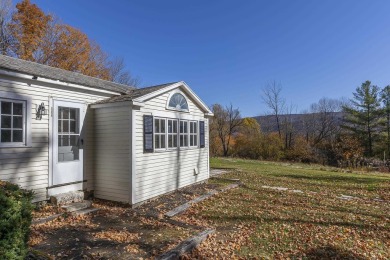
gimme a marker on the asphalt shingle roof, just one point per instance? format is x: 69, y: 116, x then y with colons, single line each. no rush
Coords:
x: 44, y: 71
x: 134, y: 93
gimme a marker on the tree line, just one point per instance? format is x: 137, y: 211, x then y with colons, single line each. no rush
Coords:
x: 26, y: 32
x: 339, y: 132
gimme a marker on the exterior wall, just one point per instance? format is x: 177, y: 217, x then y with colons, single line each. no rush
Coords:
x: 112, y: 153
x: 29, y: 166
x: 161, y: 172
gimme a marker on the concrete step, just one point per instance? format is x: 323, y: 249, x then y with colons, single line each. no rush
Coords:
x: 85, y: 211
x: 67, y: 198
x: 77, y: 206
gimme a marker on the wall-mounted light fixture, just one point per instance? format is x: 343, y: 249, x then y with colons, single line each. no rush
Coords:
x: 40, y: 111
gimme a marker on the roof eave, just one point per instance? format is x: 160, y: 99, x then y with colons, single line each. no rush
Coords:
x: 189, y: 91
x: 33, y: 79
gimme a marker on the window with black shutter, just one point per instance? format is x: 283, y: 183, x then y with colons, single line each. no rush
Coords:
x: 148, y: 134
x: 201, y: 134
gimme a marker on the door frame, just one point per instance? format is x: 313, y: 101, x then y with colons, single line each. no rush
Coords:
x: 61, y: 188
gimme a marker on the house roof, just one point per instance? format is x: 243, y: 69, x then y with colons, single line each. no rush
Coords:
x: 44, y: 71
x: 134, y: 93
x: 143, y: 94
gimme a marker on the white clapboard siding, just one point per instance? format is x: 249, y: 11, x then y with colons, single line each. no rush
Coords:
x: 112, y: 153
x: 29, y: 166
x: 161, y: 172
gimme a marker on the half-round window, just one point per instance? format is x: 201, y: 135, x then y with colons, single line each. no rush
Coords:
x: 178, y: 101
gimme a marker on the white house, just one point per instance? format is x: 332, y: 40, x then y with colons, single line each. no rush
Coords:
x: 62, y: 131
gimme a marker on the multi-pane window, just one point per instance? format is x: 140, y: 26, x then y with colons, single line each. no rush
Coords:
x: 183, y: 133
x: 172, y: 133
x: 12, y: 122
x: 193, y: 133
x: 68, y: 134
x: 159, y: 133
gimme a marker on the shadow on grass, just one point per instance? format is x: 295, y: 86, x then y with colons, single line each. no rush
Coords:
x: 263, y: 219
x: 331, y: 178
x: 327, y: 252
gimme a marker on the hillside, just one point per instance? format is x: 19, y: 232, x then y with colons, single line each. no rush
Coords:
x: 268, y: 122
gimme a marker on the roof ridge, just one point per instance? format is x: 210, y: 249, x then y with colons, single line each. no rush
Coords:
x: 15, y: 64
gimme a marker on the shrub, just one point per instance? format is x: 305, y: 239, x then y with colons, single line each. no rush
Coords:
x: 15, y: 220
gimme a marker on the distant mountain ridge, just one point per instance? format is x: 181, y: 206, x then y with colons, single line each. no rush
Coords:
x: 268, y: 122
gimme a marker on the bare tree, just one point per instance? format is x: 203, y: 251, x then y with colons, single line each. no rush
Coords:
x: 288, y: 126
x: 272, y: 97
x: 119, y: 74
x: 225, y: 124
x: 5, y: 18
x: 326, y: 119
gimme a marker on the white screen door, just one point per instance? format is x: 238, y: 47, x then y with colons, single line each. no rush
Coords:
x: 67, y: 144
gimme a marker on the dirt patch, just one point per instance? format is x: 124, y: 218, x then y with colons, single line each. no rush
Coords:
x: 159, y: 206
x: 116, y: 230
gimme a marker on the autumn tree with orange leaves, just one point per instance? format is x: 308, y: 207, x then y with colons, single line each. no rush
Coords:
x: 39, y: 37
x: 28, y: 26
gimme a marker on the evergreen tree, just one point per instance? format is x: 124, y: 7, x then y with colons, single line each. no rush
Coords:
x: 363, y: 114
x: 385, y: 98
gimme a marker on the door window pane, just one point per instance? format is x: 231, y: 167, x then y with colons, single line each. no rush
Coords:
x: 72, y: 113
x: 68, y: 134
x: 74, y: 140
x: 65, y: 113
x: 72, y: 126
x: 65, y: 126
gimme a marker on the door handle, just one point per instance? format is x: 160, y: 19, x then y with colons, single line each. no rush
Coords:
x: 82, y: 141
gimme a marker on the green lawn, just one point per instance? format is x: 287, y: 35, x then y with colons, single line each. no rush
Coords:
x: 258, y: 221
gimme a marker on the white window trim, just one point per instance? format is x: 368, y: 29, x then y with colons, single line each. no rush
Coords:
x: 27, y: 114
x: 160, y: 134
x: 175, y: 109
x: 192, y: 134
x: 185, y: 134
x: 173, y: 134
x: 188, y: 134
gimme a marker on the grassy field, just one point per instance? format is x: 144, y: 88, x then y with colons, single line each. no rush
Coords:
x: 312, y: 219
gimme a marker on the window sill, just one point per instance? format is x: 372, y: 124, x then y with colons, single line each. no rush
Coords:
x: 176, y: 150
x: 14, y: 146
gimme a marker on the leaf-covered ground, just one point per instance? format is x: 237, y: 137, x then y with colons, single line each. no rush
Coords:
x: 116, y: 231
x: 323, y: 214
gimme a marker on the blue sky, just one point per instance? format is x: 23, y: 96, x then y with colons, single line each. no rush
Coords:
x: 228, y: 50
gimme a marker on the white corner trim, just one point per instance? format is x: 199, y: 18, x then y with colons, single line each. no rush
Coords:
x: 51, y: 103
x: 186, y: 89
x: 133, y: 169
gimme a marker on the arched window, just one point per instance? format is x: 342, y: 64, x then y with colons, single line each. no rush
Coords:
x: 178, y: 101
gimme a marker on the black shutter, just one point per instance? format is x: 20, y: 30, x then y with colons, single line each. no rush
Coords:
x: 201, y: 134
x: 148, y: 134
